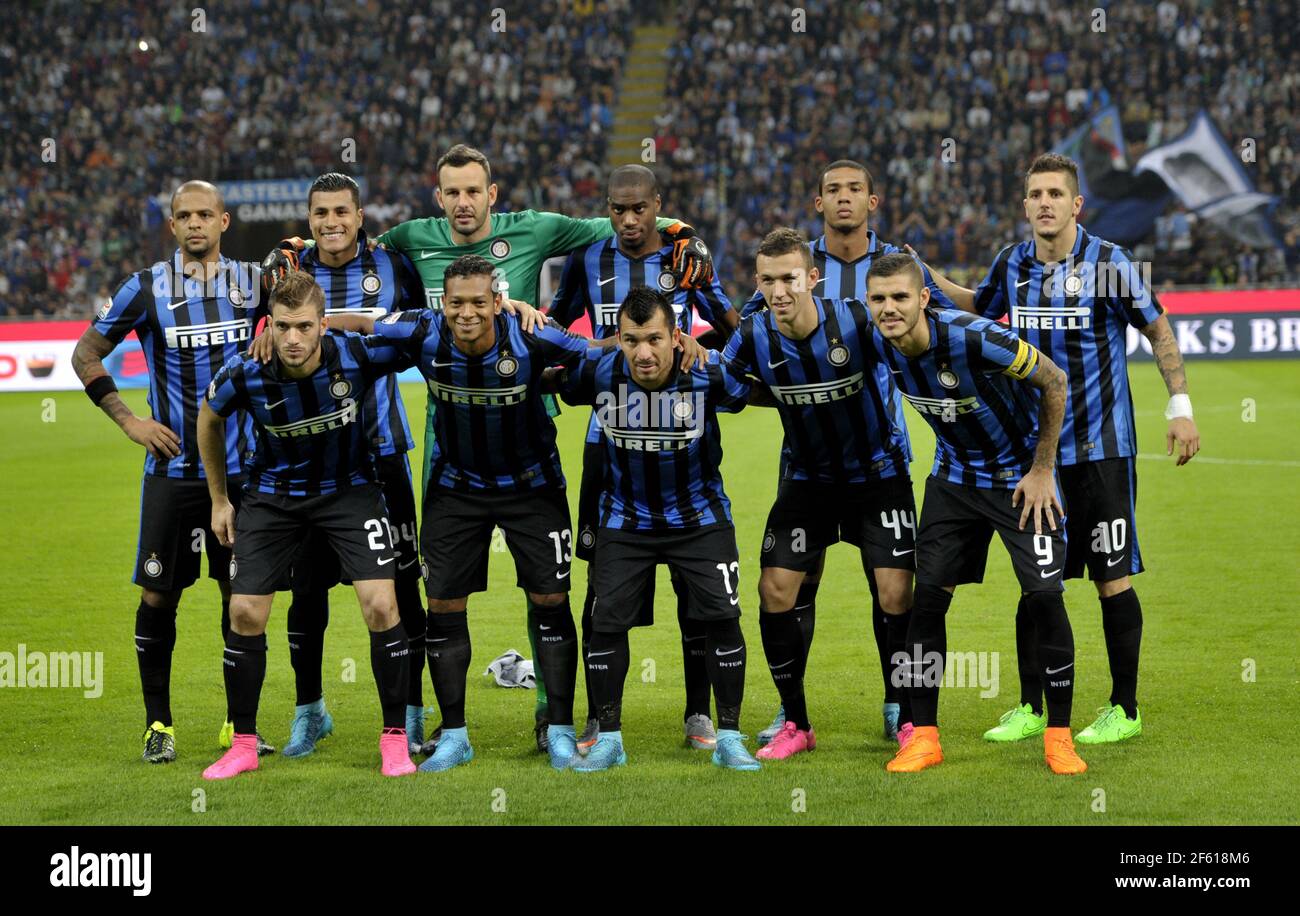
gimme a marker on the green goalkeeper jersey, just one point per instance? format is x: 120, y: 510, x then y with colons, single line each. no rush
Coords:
x: 519, y: 243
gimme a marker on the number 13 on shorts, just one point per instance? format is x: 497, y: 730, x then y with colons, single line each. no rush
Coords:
x: 730, y: 570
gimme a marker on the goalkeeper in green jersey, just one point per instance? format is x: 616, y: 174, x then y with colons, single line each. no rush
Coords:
x: 518, y: 244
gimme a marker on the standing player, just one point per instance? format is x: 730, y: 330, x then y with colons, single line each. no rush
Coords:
x: 844, y: 468
x: 1071, y: 295
x: 494, y: 463
x: 312, y: 470
x: 191, y: 314
x: 994, y: 470
x: 595, y: 281
x: 518, y: 244
x: 842, y: 255
x: 662, y: 502
x: 357, y: 279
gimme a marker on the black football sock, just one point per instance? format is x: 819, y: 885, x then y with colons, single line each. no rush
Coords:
x: 557, y: 656
x: 539, y: 679
x: 305, y: 623
x: 805, y: 611
x: 607, y: 664
x: 1055, y: 655
x: 695, y: 664
x: 725, y: 646
x: 1121, y: 622
x: 244, y: 664
x: 587, y: 604
x: 1031, y: 683
x: 784, y: 648
x: 880, y: 630
x: 155, y: 638
x: 898, y: 625
x: 390, y: 662
x: 415, y: 623
x: 448, y: 648
x: 927, y: 649
x: 225, y: 631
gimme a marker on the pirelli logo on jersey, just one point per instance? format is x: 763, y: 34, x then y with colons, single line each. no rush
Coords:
x: 313, y: 426
x: 943, y: 407
x: 651, y: 421
x: 1025, y: 363
x: 652, y: 440
x: 819, y: 392
x: 433, y: 297
x: 1046, y: 318
x: 236, y: 330
x: 478, y: 397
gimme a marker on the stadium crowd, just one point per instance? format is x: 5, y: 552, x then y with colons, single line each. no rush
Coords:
x: 136, y: 99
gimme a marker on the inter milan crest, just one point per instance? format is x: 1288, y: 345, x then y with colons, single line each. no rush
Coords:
x: 667, y: 281
x: 235, y: 295
x: 682, y: 410
x: 499, y: 249
x: 838, y: 354
x: 234, y: 567
x: 769, y: 541
x: 587, y: 537
x: 340, y: 387
x: 507, y: 366
x: 948, y: 378
x: 371, y: 284
x: 153, y: 566
x: 1073, y: 283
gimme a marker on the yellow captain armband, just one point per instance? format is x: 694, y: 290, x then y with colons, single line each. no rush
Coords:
x: 1025, y: 363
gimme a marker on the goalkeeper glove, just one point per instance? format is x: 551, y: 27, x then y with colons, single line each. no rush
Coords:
x: 282, y: 261
x: 692, y: 264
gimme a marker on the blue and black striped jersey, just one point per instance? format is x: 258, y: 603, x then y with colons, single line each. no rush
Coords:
x: 491, y: 428
x: 1076, y: 312
x: 374, y: 283
x: 597, y: 279
x: 838, y: 426
x: 663, y: 450
x: 188, y: 329
x: 968, y: 387
x: 309, y: 438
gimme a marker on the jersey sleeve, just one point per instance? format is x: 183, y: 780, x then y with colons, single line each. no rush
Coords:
x: 227, y: 392
x: 572, y: 298
x: 712, y: 303
x: 1004, y: 352
x: 405, y: 330
x: 728, y: 387
x: 754, y: 303
x: 578, y: 383
x: 938, y: 298
x: 556, y: 233
x: 125, y: 312
x: 990, y: 295
x: 559, y: 347
x: 739, y: 351
x: 1132, y: 301
x: 410, y: 288
x: 380, y: 355
x: 396, y: 238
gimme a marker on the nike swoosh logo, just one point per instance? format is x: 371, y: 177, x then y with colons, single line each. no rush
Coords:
x: 172, y: 306
x: 603, y: 282
x: 388, y: 644
x: 276, y: 404
x: 599, y: 654
x: 1048, y: 573
x: 542, y: 626
x: 693, y: 639
x: 427, y: 254
x: 782, y: 665
x: 899, y: 553
x: 385, y: 562
x: 1115, y: 561
x: 728, y: 652
x: 408, y: 563
x: 443, y: 639
x: 1023, y: 282
x: 1060, y: 669
x: 781, y: 363
x: 563, y: 575
x: 896, y: 371
x: 440, y: 365
x: 735, y: 600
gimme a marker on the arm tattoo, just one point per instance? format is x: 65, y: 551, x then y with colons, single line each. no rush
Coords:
x: 88, y: 363
x: 1164, y: 346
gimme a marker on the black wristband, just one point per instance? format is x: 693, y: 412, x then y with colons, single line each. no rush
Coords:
x: 100, y: 388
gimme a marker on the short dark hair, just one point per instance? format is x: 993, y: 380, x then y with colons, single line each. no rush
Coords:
x: 846, y: 164
x: 462, y: 154
x: 632, y: 176
x: 643, y: 303
x: 298, y: 289
x: 1055, y: 162
x: 198, y: 184
x: 335, y: 181
x: 468, y: 265
x: 784, y: 240
x: 900, y: 262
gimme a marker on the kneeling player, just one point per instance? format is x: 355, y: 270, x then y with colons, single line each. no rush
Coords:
x: 662, y: 502
x: 312, y: 470
x: 994, y: 468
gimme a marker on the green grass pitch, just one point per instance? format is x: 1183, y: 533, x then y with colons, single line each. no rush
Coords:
x: 1218, y: 667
